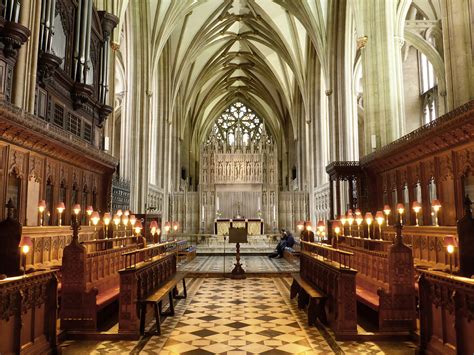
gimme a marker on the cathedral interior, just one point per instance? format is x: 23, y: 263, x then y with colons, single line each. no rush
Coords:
x: 236, y: 177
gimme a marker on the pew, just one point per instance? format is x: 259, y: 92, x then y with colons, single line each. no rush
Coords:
x: 138, y: 282
x: 90, y: 282
x: 386, y: 282
x: 336, y: 281
x: 292, y: 254
x: 28, y: 308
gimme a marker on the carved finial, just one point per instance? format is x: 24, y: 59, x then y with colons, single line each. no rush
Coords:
x: 75, y: 228
x: 467, y: 206
x: 398, y: 233
x: 10, y: 207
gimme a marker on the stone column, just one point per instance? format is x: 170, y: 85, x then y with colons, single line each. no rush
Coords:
x: 382, y: 71
x: 458, y: 43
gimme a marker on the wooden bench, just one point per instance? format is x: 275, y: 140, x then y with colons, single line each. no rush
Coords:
x: 322, y: 277
x: 140, y: 282
x: 309, y: 296
x: 188, y: 254
x: 292, y: 255
x: 90, y: 282
x: 169, y: 289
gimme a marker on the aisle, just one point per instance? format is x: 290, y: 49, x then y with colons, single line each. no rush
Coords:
x: 251, y: 264
x: 252, y: 316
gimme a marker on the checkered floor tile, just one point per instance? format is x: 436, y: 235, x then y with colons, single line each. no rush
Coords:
x: 251, y: 264
x: 251, y: 316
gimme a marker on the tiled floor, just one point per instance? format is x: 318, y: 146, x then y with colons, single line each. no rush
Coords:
x: 251, y: 264
x: 251, y: 316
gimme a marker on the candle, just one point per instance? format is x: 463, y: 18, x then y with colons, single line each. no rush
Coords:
x: 274, y: 212
x: 202, y: 213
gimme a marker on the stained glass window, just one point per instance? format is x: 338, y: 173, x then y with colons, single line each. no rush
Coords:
x: 238, y: 123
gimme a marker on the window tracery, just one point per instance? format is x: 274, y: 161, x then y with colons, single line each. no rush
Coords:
x: 238, y: 124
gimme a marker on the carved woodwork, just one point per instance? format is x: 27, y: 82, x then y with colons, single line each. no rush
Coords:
x: 442, y: 150
x: 10, y: 235
x: 339, y: 285
x: 465, y: 228
x: 386, y: 282
x: 32, y: 147
x: 28, y: 307
x: 90, y: 281
x: 446, y: 313
x: 138, y: 282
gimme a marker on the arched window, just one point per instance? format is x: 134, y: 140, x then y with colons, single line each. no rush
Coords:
x: 238, y: 124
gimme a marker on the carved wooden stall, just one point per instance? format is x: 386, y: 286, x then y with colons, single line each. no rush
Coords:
x: 138, y: 282
x: 350, y: 172
x: 446, y: 313
x: 385, y: 281
x: 28, y: 306
x: 338, y: 283
x: 90, y: 281
x: 435, y: 161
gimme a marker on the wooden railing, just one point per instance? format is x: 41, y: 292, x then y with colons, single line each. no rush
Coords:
x: 369, y: 244
x: 28, y: 306
x: 341, y: 258
x: 339, y: 284
x: 133, y: 257
x: 110, y: 243
x: 139, y: 281
x: 49, y: 244
x: 446, y: 313
x: 427, y: 243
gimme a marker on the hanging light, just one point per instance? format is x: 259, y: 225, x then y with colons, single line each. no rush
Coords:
x: 416, y: 208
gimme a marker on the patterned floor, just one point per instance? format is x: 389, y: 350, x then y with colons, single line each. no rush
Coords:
x: 251, y: 264
x: 224, y: 316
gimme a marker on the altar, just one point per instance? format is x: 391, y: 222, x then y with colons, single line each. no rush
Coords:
x: 254, y: 226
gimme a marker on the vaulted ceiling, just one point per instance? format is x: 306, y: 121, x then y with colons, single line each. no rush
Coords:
x: 220, y: 51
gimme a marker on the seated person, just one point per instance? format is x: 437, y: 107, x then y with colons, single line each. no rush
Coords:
x: 278, y: 253
x: 290, y: 240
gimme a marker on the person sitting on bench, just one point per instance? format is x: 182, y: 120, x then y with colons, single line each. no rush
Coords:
x: 278, y: 253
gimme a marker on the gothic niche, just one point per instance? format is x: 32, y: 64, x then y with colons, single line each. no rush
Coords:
x: 239, y: 169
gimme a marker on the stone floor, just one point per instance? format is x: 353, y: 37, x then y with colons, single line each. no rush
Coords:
x: 251, y: 316
x: 251, y: 264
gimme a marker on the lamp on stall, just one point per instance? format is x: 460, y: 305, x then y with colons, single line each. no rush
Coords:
x: 369, y: 219
x: 379, y: 217
x: 400, y: 210
x: 125, y: 223
x: 133, y: 221
x: 116, y: 220
x: 300, y: 226
x: 158, y: 233
x: 126, y: 213
x: 343, y: 220
x: 107, y: 218
x: 337, y: 230
x: 350, y: 220
x: 119, y: 212
x: 386, y: 211
x: 359, y: 219
x: 153, y: 229
x: 138, y: 228
x: 89, y: 211
x: 175, y: 227
x: 41, y: 209
x: 167, y: 229
x: 95, y: 218
x: 25, y: 246
x: 436, y: 206
x: 450, y: 243
x: 60, y: 207
x: 358, y: 212
x: 320, y: 227
x: 416, y: 208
